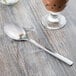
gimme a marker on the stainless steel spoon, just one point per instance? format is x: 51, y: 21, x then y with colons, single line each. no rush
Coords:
x: 18, y: 33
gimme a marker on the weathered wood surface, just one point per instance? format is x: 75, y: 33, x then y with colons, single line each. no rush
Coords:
x: 23, y: 58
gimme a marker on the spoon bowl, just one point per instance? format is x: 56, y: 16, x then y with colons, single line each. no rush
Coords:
x: 15, y: 32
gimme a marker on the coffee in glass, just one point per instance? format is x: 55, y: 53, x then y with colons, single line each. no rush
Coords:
x: 54, y: 20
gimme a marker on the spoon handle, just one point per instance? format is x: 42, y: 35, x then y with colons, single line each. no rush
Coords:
x: 58, y: 56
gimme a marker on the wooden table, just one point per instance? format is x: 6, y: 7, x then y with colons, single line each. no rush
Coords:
x: 25, y: 59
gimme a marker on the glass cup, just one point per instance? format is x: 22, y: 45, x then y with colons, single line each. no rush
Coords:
x: 9, y: 2
x: 54, y: 20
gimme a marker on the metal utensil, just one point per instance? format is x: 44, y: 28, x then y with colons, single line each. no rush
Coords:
x: 18, y: 33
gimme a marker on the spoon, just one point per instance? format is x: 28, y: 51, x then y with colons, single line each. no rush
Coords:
x: 18, y: 33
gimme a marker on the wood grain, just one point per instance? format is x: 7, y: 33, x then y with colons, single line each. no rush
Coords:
x: 25, y: 59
